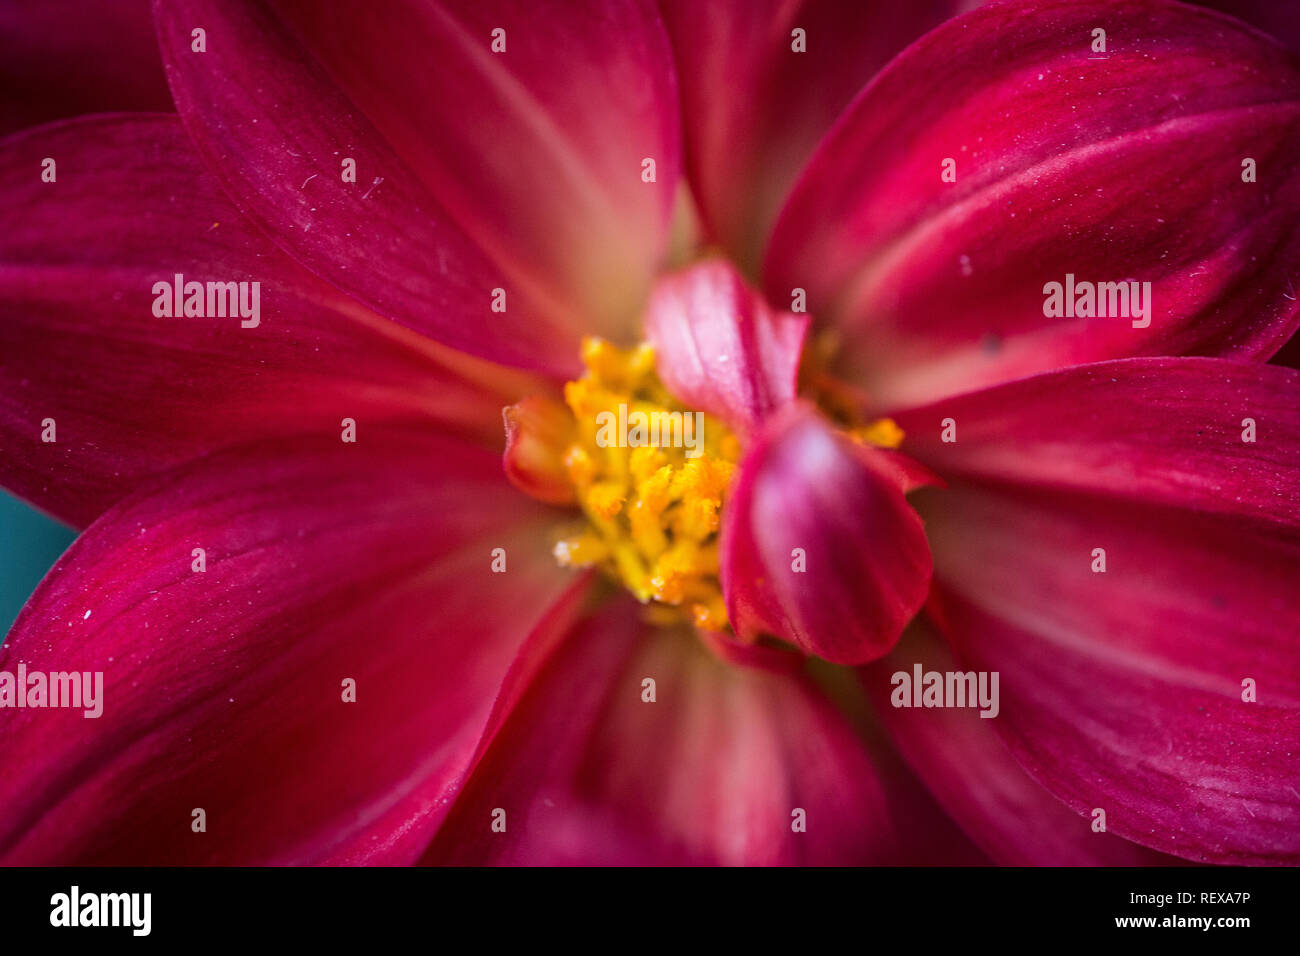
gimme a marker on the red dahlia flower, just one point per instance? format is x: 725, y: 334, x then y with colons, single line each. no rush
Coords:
x: 329, y: 619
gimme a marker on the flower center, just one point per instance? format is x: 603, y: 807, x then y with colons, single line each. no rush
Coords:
x: 651, y: 478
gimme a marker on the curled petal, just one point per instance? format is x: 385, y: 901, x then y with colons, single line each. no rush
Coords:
x: 1002, y: 153
x: 819, y: 545
x: 538, y: 430
x: 720, y: 348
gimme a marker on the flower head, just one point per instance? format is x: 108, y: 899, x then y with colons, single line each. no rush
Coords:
x: 792, y: 426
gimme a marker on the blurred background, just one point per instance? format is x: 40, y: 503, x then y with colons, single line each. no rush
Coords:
x: 30, y: 543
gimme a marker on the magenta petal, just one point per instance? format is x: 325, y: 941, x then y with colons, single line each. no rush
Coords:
x: 278, y: 132
x: 1164, y: 690
x: 720, y: 348
x: 61, y: 58
x: 224, y: 687
x: 535, y: 153
x: 1123, y: 166
x: 1165, y: 431
x: 586, y: 770
x: 819, y: 545
x: 130, y: 392
x: 754, y: 108
x: 538, y: 151
x: 970, y: 771
x: 403, y: 833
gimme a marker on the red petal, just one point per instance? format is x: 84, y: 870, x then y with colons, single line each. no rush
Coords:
x: 586, y: 770
x: 1124, y: 690
x: 970, y: 771
x: 806, y: 497
x: 720, y: 348
x: 1111, y: 167
x: 131, y: 393
x: 536, y: 153
x: 1157, y: 431
x: 754, y: 109
x: 270, y: 123
x: 223, y: 690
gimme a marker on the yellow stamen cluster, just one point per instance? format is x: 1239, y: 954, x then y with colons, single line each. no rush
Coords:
x: 653, y: 511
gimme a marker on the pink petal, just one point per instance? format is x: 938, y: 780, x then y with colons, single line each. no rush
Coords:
x: 1122, y: 166
x: 754, y: 109
x: 1156, y: 431
x: 970, y: 771
x: 538, y: 431
x: 536, y: 153
x: 61, y: 58
x: 223, y: 690
x: 587, y: 771
x: 1125, y: 690
x: 131, y: 393
x: 807, y: 497
x: 720, y: 348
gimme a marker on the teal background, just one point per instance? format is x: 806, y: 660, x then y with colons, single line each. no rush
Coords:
x: 30, y: 543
